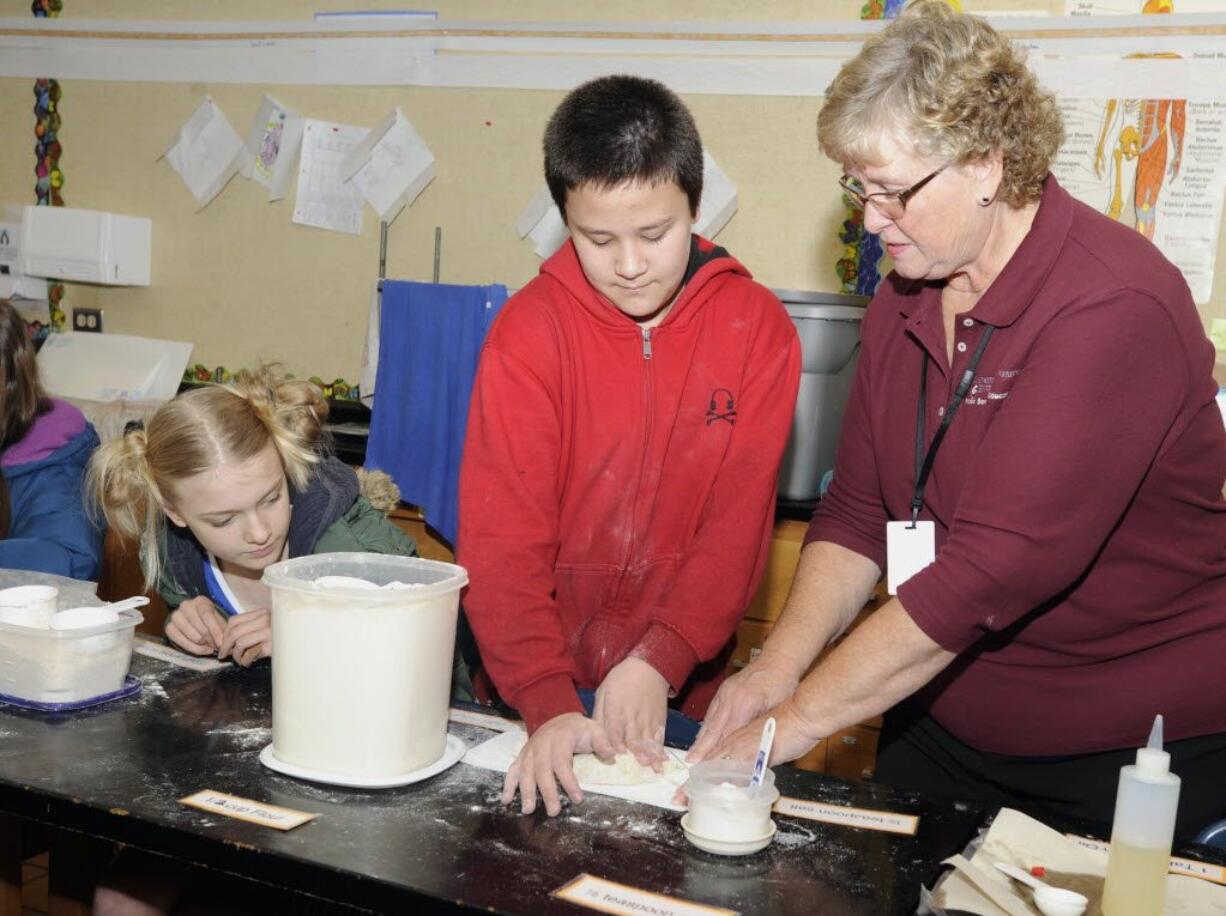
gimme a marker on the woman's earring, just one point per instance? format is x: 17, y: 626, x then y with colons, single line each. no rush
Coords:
x: 984, y: 201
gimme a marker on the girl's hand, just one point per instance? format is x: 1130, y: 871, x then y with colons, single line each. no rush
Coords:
x: 247, y: 637
x: 196, y: 626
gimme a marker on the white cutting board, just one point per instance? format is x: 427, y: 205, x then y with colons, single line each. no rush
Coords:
x: 499, y: 753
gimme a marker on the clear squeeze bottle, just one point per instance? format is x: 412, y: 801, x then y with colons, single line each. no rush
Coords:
x: 1141, y: 833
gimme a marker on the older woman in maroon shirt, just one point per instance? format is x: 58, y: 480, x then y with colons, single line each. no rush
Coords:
x: 1036, y: 386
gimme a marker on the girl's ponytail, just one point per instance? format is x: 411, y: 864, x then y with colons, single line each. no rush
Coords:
x: 120, y: 483
x: 293, y: 411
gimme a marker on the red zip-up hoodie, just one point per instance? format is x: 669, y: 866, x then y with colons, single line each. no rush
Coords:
x: 618, y: 483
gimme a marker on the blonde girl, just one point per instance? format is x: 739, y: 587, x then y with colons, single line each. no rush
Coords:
x: 222, y: 482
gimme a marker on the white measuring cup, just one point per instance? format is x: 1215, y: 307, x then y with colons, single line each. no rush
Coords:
x: 93, y: 615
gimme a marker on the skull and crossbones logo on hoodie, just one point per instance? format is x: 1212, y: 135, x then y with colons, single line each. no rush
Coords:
x: 721, y: 407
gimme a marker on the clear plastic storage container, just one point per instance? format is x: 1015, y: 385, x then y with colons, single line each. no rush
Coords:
x: 724, y: 807
x: 66, y: 666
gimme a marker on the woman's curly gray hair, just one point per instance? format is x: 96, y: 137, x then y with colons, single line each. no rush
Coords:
x: 953, y: 88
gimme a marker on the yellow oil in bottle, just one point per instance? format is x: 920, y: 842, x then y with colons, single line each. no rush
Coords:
x: 1136, y: 880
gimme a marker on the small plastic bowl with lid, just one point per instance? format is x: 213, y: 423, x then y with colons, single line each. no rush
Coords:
x: 727, y: 816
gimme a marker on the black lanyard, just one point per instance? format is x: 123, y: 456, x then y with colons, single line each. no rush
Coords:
x: 923, y: 463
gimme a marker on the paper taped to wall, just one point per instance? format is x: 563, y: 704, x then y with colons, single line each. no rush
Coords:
x: 325, y: 199
x: 207, y: 152
x: 543, y: 224
x: 392, y: 164
x: 266, y: 140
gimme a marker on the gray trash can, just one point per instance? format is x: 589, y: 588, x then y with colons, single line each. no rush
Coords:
x: 829, y: 329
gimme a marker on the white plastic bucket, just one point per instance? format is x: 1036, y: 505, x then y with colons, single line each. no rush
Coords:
x: 361, y: 678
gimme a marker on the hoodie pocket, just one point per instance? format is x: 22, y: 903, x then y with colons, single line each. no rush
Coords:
x: 605, y: 612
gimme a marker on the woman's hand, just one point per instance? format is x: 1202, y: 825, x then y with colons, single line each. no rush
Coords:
x: 547, y: 761
x: 247, y: 637
x: 196, y: 626
x: 794, y: 737
x: 631, y: 705
x: 741, y: 699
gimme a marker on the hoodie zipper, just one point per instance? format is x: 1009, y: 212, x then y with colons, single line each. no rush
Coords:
x: 648, y: 405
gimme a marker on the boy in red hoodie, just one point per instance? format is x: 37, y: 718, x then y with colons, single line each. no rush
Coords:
x: 629, y: 413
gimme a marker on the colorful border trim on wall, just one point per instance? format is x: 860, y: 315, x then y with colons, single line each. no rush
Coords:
x: 47, y: 150
x: 337, y: 389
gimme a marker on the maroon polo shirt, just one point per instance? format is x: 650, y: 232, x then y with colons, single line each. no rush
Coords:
x: 1077, y: 498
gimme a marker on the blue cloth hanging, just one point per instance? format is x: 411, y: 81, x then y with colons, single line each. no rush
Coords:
x: 430, y: 337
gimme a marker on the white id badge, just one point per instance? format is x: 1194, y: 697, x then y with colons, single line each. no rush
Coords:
x: 907, y: 551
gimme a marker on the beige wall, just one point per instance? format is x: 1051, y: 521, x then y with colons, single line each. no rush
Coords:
x: 244, y: 283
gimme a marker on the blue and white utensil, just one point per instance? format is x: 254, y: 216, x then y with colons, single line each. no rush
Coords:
x: 764, y: 753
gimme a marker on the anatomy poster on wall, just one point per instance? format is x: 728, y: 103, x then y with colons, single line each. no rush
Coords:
x: 1156, y: 165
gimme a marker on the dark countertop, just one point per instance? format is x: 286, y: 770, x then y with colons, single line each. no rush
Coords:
x: 117, y: 772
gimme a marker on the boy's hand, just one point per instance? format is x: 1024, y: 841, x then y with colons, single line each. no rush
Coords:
x: 196, y: 626
x: 631, y: 704
x: 248, y: 637
x: 741, y: 699
x: 547, y: 760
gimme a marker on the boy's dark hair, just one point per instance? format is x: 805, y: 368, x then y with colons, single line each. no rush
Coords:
x: 622, y: 128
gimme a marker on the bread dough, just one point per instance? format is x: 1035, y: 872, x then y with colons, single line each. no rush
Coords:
x: 624, y: 770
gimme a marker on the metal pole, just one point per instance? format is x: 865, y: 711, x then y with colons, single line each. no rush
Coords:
x: 438, y: 249
x: 382, y: 250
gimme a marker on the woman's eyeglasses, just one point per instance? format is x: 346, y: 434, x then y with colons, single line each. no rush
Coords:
x: 890, y: 204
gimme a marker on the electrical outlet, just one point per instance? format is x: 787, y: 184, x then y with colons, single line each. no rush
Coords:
x: 87, y: 320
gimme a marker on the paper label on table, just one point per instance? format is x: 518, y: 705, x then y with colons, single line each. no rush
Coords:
x: 244, y: 809
x: 1177, y: 866
x: 611, y: 897
x: 484, y: 720
x: 153, y: 649
x: 886, y: 821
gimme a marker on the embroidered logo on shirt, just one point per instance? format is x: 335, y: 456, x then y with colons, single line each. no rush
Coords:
x: 989, y: 388
x: 721, y: 407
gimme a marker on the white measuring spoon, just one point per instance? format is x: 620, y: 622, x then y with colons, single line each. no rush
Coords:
x: 764, y: 753
x: 1051, y: 901
x: 134, y: 601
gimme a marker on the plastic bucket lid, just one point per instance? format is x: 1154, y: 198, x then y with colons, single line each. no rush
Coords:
x: 431, y: 577
x: 729, y: 780
x: 129, y: 618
